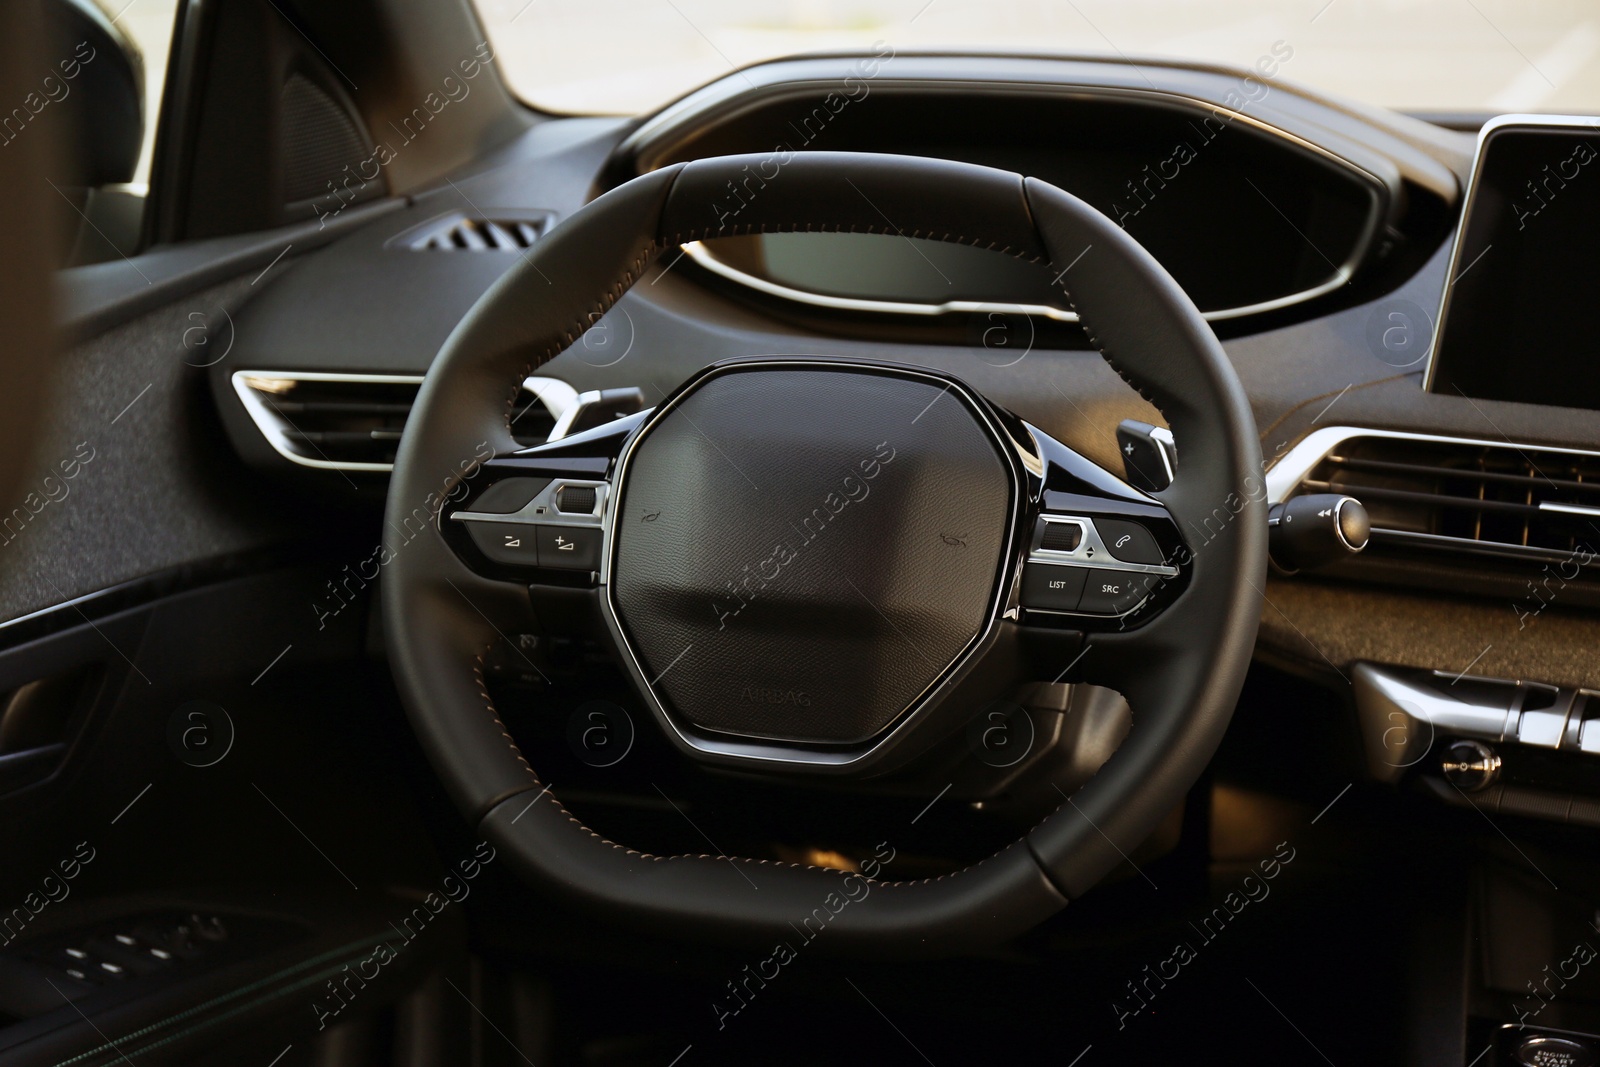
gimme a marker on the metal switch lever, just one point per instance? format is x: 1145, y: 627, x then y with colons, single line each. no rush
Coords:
x: 1148, y: 455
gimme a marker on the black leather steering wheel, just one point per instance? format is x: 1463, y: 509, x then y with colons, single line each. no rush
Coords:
x: 1180, y: 662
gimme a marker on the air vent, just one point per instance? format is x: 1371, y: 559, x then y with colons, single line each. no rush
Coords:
x: 466, y: 233
x: 1470, y: 497
x: 352, y: 422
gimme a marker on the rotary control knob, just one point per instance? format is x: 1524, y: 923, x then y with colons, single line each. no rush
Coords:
x: 1470, y: 765
x: 1315, y: 530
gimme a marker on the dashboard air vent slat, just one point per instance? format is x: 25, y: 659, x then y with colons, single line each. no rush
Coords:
x: 1476, y: 498
x: 353, y: 422
x: 458, y: 232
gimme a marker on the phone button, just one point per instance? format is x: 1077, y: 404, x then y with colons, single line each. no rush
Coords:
x: 1128, y: 541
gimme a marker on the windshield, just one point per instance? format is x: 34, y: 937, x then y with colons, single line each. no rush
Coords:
x: 629, y: 56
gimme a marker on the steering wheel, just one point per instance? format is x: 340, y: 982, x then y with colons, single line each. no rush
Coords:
x: 825, y: 566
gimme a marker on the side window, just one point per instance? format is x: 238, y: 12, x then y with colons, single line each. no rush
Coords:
x: 148, y: 25
x: 95, y: 95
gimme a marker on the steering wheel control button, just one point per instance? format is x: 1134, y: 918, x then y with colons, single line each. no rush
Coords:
x: 511, y: 543
x: 1051, y: 587
x: 1128, y: 542
x: 552, y: 524
x: 569, y: 548
x: 1061, y: 536
x: 1110, y: 592
x: 576, y: 500
x: 1545, y: 1051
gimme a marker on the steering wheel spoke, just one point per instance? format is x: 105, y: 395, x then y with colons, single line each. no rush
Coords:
x: 541, y: 515
x: 1099, y: 555
x: 536, y: 527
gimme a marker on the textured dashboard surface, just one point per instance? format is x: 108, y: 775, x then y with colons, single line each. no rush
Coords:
x: 133, y: 476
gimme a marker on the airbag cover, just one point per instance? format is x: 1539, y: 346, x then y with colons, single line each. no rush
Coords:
x: 802, y: 552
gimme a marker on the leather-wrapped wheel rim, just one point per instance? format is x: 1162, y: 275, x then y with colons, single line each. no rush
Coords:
x: 1181, y: 673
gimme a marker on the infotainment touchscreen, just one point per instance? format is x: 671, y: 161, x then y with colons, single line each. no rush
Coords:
x: 1521, y: 313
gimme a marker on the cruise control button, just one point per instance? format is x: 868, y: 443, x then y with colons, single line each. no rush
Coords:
x: 510, y: 543
x: 1049, y: 587
x: 570, y: 548
x: 1114, y: 592
x: 1128, y: 541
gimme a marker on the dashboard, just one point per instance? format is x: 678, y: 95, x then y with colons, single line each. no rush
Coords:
x: 1403, y: 311
x: 1316, y: 236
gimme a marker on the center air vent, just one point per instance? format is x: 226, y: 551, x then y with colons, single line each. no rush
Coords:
x: 1482, y: 498
x: 352, y: 422
x: 457, y: 232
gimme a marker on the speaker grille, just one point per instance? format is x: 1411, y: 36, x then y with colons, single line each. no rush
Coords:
x: 320, y: 140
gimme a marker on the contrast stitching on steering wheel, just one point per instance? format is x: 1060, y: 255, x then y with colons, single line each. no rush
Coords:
x: 516, y: 751
x: 579, y: 327
x: 483, y: 691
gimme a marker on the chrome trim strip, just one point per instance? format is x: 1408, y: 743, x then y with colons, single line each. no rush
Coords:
x: 1445, y: 714
x: 697, y: 251
x: 1028, y: 452
x: 763, y: 750
x: 1091, y: 553
x: 1570, y: 509
x: 556, y: 395
x: 1290, y: 470
x: 1396, y: 704
x: 1499, y: 122
x: 1168, y: 448
x: 1496, y: 549
x: 1338, y: 525
x: 542, y: 510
